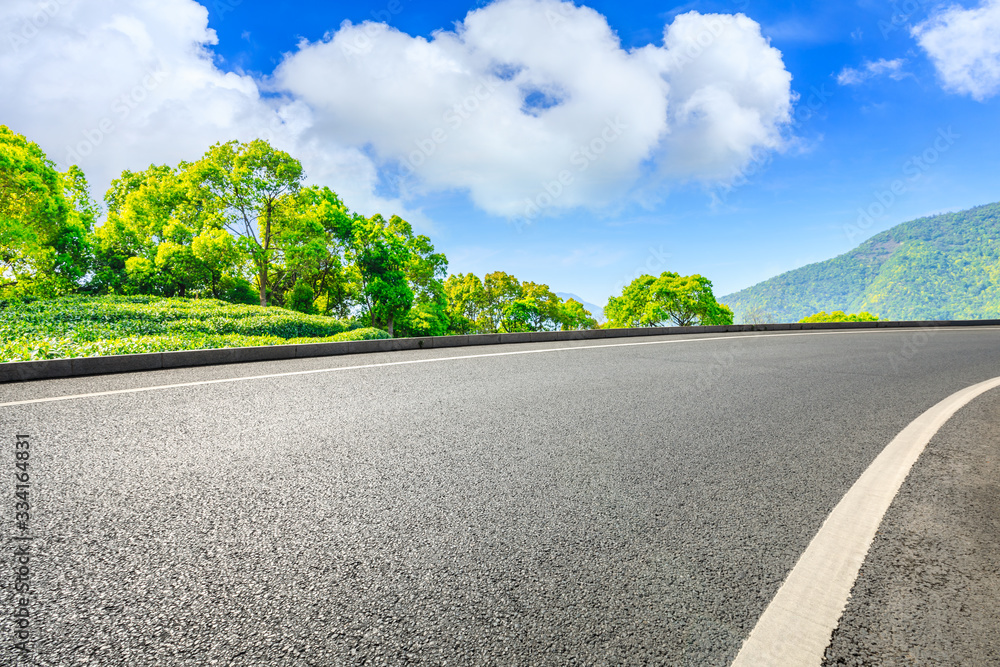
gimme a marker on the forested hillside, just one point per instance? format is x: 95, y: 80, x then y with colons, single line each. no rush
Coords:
x: 936, y: 268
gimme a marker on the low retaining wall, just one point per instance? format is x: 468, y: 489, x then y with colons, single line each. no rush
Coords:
x: 19, y: 371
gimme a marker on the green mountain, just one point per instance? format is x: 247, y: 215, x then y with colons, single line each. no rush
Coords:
x: 945, y: 267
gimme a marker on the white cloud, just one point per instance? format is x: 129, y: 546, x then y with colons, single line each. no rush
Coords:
x: 123, y: 84
x: 964, y: 45
x: 525, y: 90
x: 872, y: 69
x: 519, y: 93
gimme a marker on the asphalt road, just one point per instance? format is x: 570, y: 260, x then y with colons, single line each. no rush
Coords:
x: 616, y: 505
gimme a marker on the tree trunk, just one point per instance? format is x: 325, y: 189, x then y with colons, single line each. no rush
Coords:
x: 262, y: 282
x: 390, y: 325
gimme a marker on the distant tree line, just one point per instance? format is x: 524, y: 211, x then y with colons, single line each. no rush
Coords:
x: 239, y: 224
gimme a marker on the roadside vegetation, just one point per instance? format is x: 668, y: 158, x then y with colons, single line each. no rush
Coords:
x: 840, y: 316
x: 235, y: 249
x: 80, y: 326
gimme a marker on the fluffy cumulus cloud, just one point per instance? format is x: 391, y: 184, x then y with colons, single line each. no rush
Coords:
x: 871, y: 69
x: 530, y: 104
x: 964, y: 45
x: 526, y: 105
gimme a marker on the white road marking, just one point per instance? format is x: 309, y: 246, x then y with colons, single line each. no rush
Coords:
x: 136, y: 390
x: 797, y: 626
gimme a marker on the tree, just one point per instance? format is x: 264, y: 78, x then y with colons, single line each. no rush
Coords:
x: 683, y: 300
x: 161, y: 216
x: 74, y: 253
x: 501, y: 302
x: 252, y: 181
x: 218, y: 254
x: 301, y: 298
x: 688, y: 300
x: 575, y: 316
x: 632, y: 309
x: 499, y: 290
x: 381, y: 259
x: 44, y: 219
x: 466, y: 298
x: 312, y: 237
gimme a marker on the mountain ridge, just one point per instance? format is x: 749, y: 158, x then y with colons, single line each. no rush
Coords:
x: 945, y: 266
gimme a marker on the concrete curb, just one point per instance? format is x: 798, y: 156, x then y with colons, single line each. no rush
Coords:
x: 20, y: 371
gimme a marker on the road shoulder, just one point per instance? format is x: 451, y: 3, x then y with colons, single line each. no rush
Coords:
x: 927, y: 592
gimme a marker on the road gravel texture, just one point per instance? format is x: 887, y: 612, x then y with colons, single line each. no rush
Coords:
x: 623, y: 505
x: 929, y: 590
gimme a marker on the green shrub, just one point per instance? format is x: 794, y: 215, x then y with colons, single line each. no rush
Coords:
x: 80, y: 326
x: 301, y: 298
x: 840, y: 316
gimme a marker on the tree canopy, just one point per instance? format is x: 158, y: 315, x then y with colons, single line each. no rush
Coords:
x: 671, y: 298
x: 501, y: 303
x: 45, y: 218
x: 240, y: 224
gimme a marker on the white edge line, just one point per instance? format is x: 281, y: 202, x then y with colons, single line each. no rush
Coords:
x: 796, y: 627
x: 737, y: 336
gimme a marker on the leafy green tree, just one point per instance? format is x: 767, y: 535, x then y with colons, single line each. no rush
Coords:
x: 466, y: 298
x: 501, y: 302
x: 252, y: 181
x: 381, y: 259
x: 182, y: 270
x: 840, y: 316
x: 428, y: 317
x: 688, y: 300
x: 74, y: 253
x: 499, y: 290
x: 682, y: 300
x: 633, y: 307
x: 312, y: 238
x: 141, y: 276
x: 218, y: 254
x: 546, y: 308
x: 575, y: 316
x: 160, y: 215
x: 44, y: 220
x: 301, y: 298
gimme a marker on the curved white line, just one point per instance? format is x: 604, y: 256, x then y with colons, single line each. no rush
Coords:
x: 796, y: 627
x: 247, y: 378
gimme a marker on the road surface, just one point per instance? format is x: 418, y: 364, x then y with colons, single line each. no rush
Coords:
x: 613, y: 502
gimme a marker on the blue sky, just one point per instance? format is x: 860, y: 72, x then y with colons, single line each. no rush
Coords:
x: 799, y: 117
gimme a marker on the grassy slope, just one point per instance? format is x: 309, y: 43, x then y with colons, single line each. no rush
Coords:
x: 78, y: 326
x: 941, y: 267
